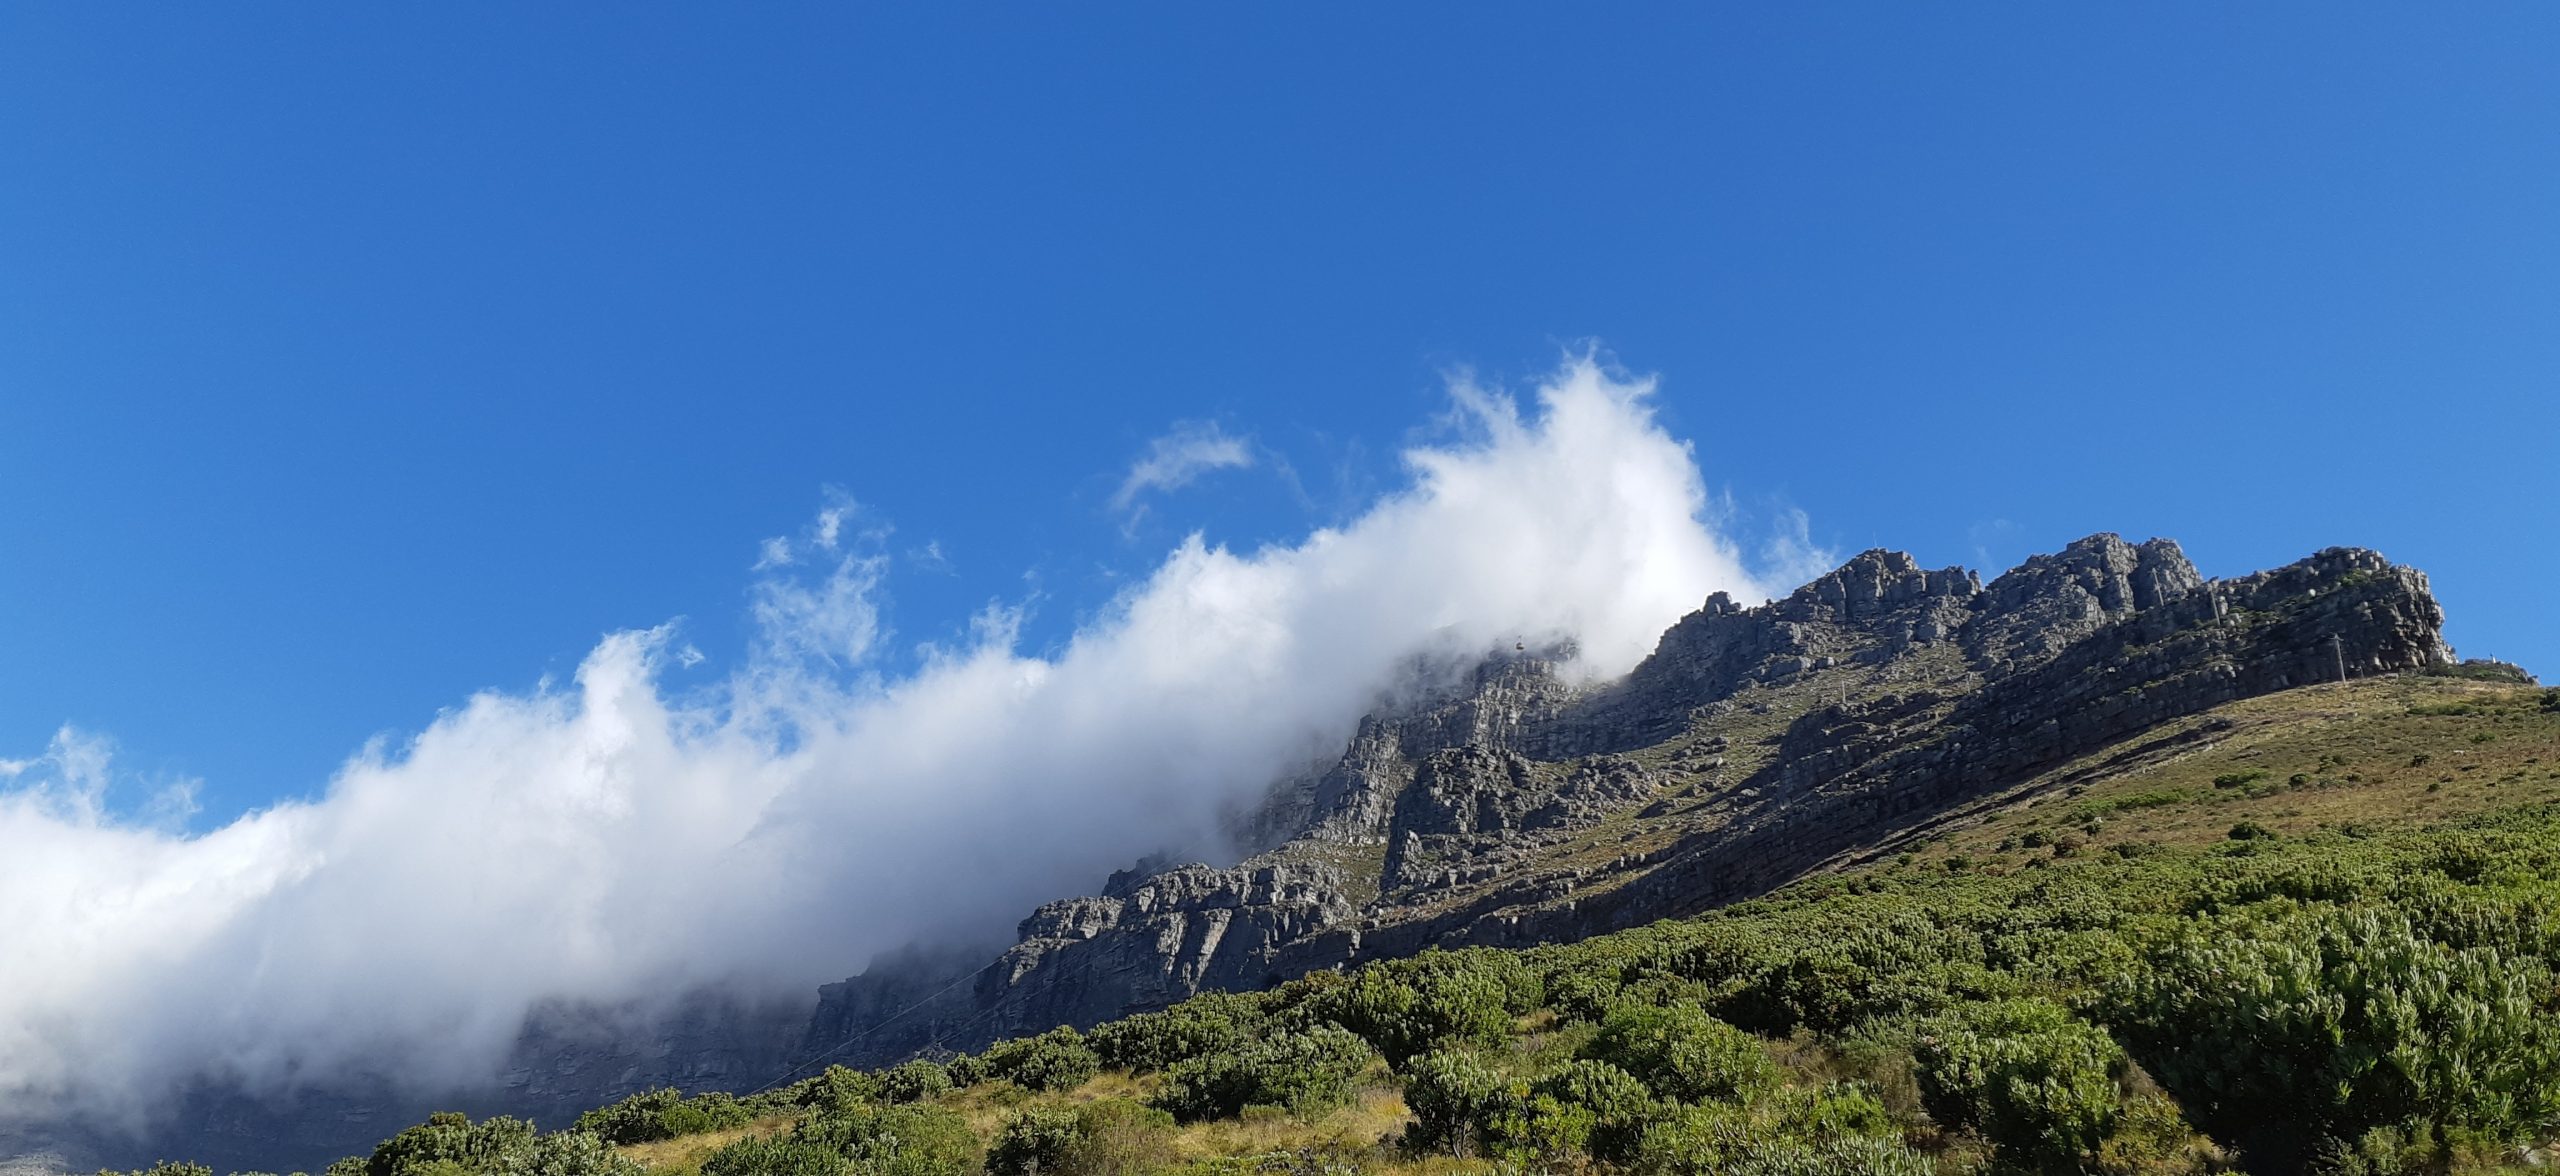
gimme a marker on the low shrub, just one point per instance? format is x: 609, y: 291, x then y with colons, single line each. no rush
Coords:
x: 664, y: 1113
x: 1448, y: 1093
x: 1304, y: 1072
x: 1056, y: 1060
x: 450, y: 1144
x: 1620, y: 1107
x: 1409, y: 1007
x: 836, y: 1088
x: 776, y: 1156
x: 1726, y: 1140
x: 2037, y: 1082
x: 2303, y: 1029
x: 914, y: 1081
x: 909, y: 1140
x: 1033, y: 1142
x: 1109, y: 1137
x: 1209, y: 1023
x: 1682, y: 1054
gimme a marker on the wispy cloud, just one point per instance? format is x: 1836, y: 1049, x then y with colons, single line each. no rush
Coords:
x: 1789, y: 556
x: 1177, y: 458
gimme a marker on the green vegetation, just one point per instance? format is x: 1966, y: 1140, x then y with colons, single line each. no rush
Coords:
x: 666, y: 1114
x: 2038, y: 1083
x: 1056, y: 1060
x: 452, y: 1145
x: 1680, y: 1053
x: 1303, y: 1072
x: 886, y: 1141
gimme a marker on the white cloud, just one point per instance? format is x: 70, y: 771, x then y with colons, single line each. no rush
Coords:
x: 774, y: 553
x: 1172, y: 461
x: 1790, y: 556
x: 610, y: 840
x: 829, y: 618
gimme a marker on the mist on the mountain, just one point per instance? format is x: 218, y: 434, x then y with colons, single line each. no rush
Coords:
x: 610, y: 841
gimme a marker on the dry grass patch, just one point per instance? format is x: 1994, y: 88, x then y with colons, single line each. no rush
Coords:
x: 988, y: 1106
x: 1370, y: 1123
x: 684, y: 1154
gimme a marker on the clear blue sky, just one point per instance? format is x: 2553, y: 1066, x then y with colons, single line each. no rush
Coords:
x: 356, y: 357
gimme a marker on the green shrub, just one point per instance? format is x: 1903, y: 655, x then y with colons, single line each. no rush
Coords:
x: 1448, y: 1093
x: 451, y: 1137
x: 1209, y: 1023
x: 450, y: 1144
x: 914, y: 1081
x: 664, y: 1113
x: 1110, y: 1137
x: 1033, y: 1142
x: 1056, y: 1060
x: 1682, y: 1054
x: 2035, y: 1081
x: 2308, y: 1029
x: 1408, y: 1007
x: 568, y: 1153
x: 1304, y: 1072
x: 837, y: 1088
x: 1532, y: 1129
x: 1726, y: 1140
x: 911, y: 1140
x: 1620, y: 1107
x: 786, y: 1155
x: 1873, y: 956
x: 1586, y: 992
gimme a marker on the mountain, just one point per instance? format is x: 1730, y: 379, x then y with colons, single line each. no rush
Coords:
x: 1874, y: 707
x: 1882, y: 710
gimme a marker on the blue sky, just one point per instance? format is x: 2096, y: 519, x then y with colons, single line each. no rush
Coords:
x: 353, y: 359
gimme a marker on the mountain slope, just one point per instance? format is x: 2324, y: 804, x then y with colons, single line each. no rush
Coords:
x: 1869, y: 708
x: 2090, y: 698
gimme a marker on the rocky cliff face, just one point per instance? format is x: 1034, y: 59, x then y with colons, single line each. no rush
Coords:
x: 1754, y: 745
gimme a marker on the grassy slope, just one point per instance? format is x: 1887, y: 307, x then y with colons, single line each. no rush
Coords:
x: 2377, y: 753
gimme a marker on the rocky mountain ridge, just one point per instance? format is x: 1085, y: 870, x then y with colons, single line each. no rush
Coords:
x: 1754, y: 745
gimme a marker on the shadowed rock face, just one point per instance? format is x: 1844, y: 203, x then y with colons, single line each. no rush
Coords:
x: 1897, y: 694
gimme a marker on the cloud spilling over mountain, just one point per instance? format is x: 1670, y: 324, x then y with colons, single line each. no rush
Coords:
x: 610, y: 840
